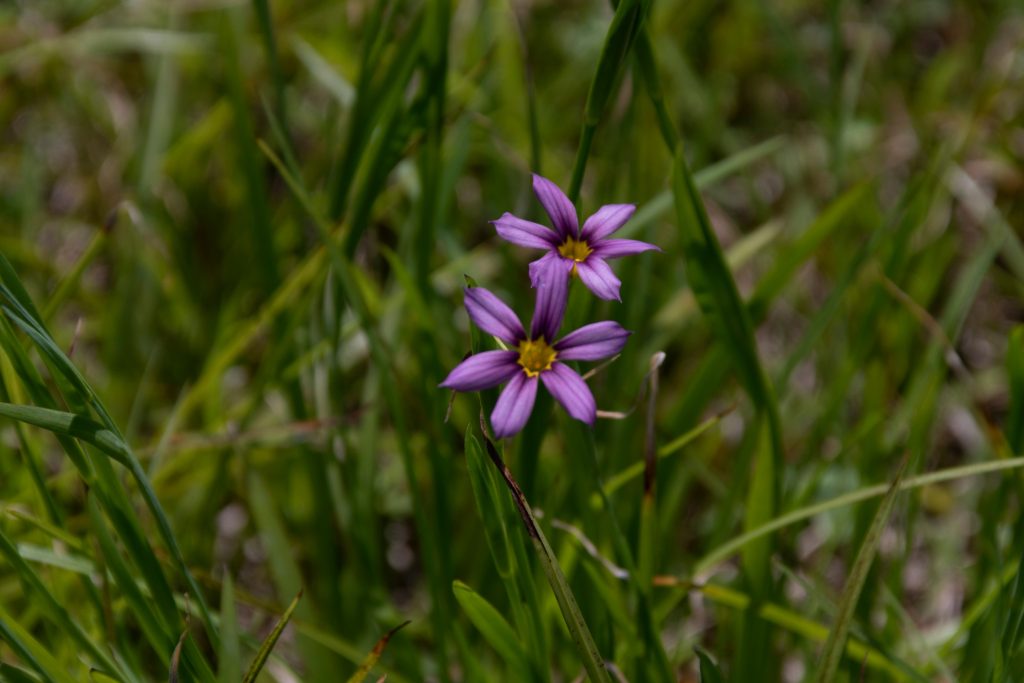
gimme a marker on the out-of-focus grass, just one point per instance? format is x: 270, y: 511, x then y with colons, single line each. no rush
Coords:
x: 237, y: 234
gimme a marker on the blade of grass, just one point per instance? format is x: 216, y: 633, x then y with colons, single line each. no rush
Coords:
x: 719, y: 300
x: 709, y: 671
x: 836, y: 643
x: 270, y: 642
x: 153, y: 626
x: 800, y: 625
x: 723, y: 552
x: 507, y: 551
x: 378, y: 96
x: 628, y: 19
x: 374, y: 656
x: 266, y: 24
x: 284, y: 567
x: 380, y: 356
x: 31, y: 650
x: 581, y: 636
x: 494, y: 629
x: 23, y: 314
x: 248, y: 159
x: 617, y: 481
x: 57, y: 612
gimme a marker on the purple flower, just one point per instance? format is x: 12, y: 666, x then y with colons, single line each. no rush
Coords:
x: 533, y: 358
x: 585, y: 249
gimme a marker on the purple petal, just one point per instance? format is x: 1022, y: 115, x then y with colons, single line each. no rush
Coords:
x: 593, y: 342
x: 615, y: 248
x: 493, y: 316
x: 525, y: 233
x: 571, y: 391
x: 607, y: 220
x: 514, y: 405
x: 597, y: 275
x: 552, y: 293
x: 558, y: 206
x: 539, y: 267
x: 482, y: 371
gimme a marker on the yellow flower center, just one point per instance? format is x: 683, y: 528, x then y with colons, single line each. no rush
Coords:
x: 536, y: 356
x: 577, y: 250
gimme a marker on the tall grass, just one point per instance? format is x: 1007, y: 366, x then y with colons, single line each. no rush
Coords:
x: 233, y: 239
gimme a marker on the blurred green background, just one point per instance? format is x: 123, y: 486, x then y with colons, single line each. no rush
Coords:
x: 168, y: 171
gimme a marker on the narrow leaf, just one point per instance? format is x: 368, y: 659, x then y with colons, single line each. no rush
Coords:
x: 581, y: 636
x: 836, y: 643
x: 494, y: 628
x: 268, y: 644
x: 709, y: 672
x: 374, y: 656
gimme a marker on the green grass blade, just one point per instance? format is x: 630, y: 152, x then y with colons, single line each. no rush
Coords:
x: 709, y: 671
x: 381, y: 357
x: 628, y: 474
x: 581, y: 636
x: 494, y: 629
x: 723, y: 552
x: 719, y: 300
x: 284, y: 567
x: 150, y: 621
x: 836, y: 643
x: 628, y: 19
x: 256, y: 205
x: 509, y: 553
x: 68, y: 424
x: 714, y: 287
x: 31, y: 650
x: 15, y: 674
x: 58, y: 613
x: 806, y: 628
x: 374, y: 656
x: 266, y: 24
x: 271, y: 640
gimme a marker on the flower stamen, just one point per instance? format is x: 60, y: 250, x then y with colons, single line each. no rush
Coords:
x: 577, y: 250
x: 536, y: 356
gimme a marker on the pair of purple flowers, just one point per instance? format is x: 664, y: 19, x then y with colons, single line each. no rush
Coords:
x: 537, y: 357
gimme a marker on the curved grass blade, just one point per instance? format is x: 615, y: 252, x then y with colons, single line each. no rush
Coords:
x: 723, y: 552
x: 800, y: 625
x: 150, y: 621
x: 836, y: 643
x: 374, y: 656
x: 508, y: 552
x: 69, y: 424
x: 22, y: 313
x: 57, y: 612
x: 271, y: 640
x: 31, y: 650
x: 15, y: 674
x: 578, y: 629
x: 494, y: 629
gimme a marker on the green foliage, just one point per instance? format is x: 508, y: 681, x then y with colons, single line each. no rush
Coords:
x: 233, y: 238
